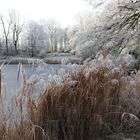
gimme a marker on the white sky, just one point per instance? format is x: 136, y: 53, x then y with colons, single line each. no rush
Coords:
x: 63, y: 11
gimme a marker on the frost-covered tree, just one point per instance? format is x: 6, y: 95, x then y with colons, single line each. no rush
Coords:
x: 52, y: 27
x: 57, y: 36
x: 131, y: 21
x: 85, y: 35
x: 36, y: 38
x: 118, y: 28
x: 62, y: 39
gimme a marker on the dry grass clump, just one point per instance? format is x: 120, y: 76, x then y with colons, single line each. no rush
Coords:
x: 16, y: 127
x: 84, y: 109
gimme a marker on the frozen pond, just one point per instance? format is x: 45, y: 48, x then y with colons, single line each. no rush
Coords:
x: 13, y: 81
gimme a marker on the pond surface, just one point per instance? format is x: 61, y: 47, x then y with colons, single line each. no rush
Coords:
x: 13, y: 81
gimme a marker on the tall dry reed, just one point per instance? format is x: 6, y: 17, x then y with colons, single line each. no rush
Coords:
x: 85, y: 109
x: 90, y: 104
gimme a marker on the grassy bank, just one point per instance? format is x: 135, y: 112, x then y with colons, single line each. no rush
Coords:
x: 49, y: 60
x: 97, y: 102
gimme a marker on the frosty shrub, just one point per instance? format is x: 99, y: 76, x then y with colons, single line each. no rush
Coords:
x: 127, y: 59
x: 64, y: 60
x: 86, y: 49
x: 136, y: 54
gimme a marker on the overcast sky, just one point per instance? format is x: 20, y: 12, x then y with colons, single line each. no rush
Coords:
x: 63, y: 11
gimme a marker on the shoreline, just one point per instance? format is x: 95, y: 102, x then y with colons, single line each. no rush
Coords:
x: 47, y: 60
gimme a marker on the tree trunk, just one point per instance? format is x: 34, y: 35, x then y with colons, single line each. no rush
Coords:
x: 32, y: 52
x: 15, y: 44
x: 6, y: 43
x: 55, y: 45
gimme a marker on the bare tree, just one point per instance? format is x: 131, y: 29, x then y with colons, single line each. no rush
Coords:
x: 6, y: 31
x: 16, y: 28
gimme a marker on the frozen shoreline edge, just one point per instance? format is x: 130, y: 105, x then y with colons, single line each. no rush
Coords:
x: 48, y: 60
